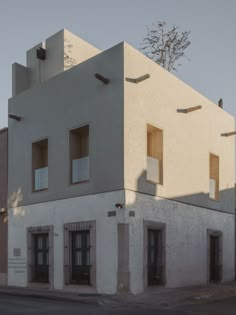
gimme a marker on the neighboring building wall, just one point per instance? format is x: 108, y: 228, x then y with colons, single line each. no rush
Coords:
x: 56, y: 214
x: 188, y: 139
x: 3, y: 206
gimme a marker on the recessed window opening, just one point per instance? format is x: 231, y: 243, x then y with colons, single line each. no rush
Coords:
x: 80, y: 257
x: 154, y: 154
x: 214, y: 177
x: 79, y: 154
x: 40, y: 165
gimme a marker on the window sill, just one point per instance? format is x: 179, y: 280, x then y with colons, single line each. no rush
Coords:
x: 212, y: 199
x: 153, y: 183
x: 81, y: 182
x: 40, y: 190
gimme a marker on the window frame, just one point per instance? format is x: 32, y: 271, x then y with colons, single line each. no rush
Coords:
x: 161, y: 163
x: 76, y: 227
x: 69, y: 154
x: 217, y: 190
x: 32, y: 168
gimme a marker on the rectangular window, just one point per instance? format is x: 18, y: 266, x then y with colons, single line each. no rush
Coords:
x: 79, y: 155
x: 40, y: 254
x: 80, y: 251
x: 40, y: 165
x: 41, y: 261
x: 214, y: 177
x: 154, y: 154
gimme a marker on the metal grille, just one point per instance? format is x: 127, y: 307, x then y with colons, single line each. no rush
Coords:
x: 80, y: 274
x: 33, y: 232
x: 77, y: 226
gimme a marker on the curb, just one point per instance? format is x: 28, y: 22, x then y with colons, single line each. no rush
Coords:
x: 51, y: 296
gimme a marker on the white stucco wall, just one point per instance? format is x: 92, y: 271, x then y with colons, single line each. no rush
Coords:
x: 188, y: 139
x: 186, y: 239
x: 56, y: 213
x: 185, y: 247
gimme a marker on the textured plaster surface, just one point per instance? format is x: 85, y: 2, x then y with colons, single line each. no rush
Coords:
x: 188, y: 139
x: 186, y: 240
x: 57, y: 213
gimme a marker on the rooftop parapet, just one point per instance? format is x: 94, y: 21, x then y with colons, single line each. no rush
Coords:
x: 58, y: 53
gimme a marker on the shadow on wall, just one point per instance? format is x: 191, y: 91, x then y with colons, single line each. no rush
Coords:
x: 225, y: 202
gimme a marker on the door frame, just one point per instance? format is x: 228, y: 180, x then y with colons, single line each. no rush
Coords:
x: 31, y: 232
x: 45, y: 252
x: 160, y: 226
x: 76, y: 227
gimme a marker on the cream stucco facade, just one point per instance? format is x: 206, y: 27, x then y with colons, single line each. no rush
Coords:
x: 130, y: 218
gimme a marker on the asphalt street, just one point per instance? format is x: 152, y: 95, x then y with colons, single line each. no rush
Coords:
x: 11, y: 305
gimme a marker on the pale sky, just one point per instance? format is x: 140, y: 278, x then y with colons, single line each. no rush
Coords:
x: 104, y: 23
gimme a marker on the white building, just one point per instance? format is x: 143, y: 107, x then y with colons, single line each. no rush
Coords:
x: 120, y: 175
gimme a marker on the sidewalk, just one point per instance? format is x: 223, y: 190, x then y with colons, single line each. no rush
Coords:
x: 153, y: 297
x: 162, y: 297
x: 50, y: 294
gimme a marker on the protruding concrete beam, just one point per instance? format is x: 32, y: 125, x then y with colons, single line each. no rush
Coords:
x: 101, y: 78
x: 139, y: 79
x: 18, y: 118
x: 188, y: 110
x: 227, y: 134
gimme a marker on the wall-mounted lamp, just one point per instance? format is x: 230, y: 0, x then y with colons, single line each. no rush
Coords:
x: 119, y: 205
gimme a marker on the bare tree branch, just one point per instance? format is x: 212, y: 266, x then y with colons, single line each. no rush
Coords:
x: 165, y: 47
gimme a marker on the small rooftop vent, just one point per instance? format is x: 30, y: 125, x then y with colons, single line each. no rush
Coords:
x: 41, y: 53
x: 220, y: 103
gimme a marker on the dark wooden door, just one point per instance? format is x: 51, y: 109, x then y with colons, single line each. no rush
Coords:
x: 41, y: 262
x: 80, y: 250
x: 214, y: 258
x: 155, y: 257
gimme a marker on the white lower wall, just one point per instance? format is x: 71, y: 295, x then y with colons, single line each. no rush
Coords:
x: 56, y: 213
x: 186, y: 239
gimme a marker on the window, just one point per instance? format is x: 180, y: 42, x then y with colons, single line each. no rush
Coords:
x: 80, y: 260
x: 214, y: 177
x: 154, y: 154
x: 40, y: 165
x: 79, y: 155
x: 80, y: 253
x: 41, y: 261
x: 40, y: 254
